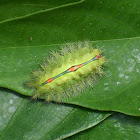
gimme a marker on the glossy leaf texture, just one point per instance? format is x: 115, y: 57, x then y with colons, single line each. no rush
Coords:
x: 92, y: 20
x: 22, y: 118
x: 119, y: 89
x: 111, y: 92
x: 116, y: 127
x: 23, y: 9
x: 30, y: 30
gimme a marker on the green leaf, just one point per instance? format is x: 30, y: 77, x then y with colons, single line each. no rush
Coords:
x: 119, y: 89
x: 92, y: 20
x: 23, y: 9
x: 116, y: 127
x: 70, y: 21
x: 112, y: 92
x: 21, y: 118
x: 57, y: 22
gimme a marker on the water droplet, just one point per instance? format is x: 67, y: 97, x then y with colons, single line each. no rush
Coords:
x: 105, y: 84
x: 130, y: 63
x: 130, y: 69
x: 117, y: 124
x: 138, y: 58
x: 11, y: 101
x: 118, y: 83
x: 5, y: 105
x: 12, y: 109
x: 121, y: 75
x: 106, y: 88
x: 135, y: 52
x: 119, y: 68
x: 137, y: 69
x: 127, y: 79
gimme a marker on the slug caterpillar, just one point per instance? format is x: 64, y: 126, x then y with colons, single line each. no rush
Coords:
x: 67, y: 72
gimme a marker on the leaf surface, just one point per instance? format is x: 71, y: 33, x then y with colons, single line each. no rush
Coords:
x: 111, y: 92
x: 28, y: 31
x: 21, y: 118
x: 116, y: 127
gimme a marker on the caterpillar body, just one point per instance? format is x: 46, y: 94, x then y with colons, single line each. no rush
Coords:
x: 72, y: 69
x: 68, y: 72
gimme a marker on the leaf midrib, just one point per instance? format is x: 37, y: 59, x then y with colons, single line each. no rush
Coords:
x: 41, y: 11
x: 37, y: 46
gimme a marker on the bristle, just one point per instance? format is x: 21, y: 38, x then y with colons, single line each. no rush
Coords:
x: 70, y: 84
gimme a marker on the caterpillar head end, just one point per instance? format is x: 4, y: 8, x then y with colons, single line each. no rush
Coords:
x: 99, y: 56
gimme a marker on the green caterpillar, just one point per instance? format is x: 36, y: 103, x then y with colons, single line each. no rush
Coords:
x: 67, y: 72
